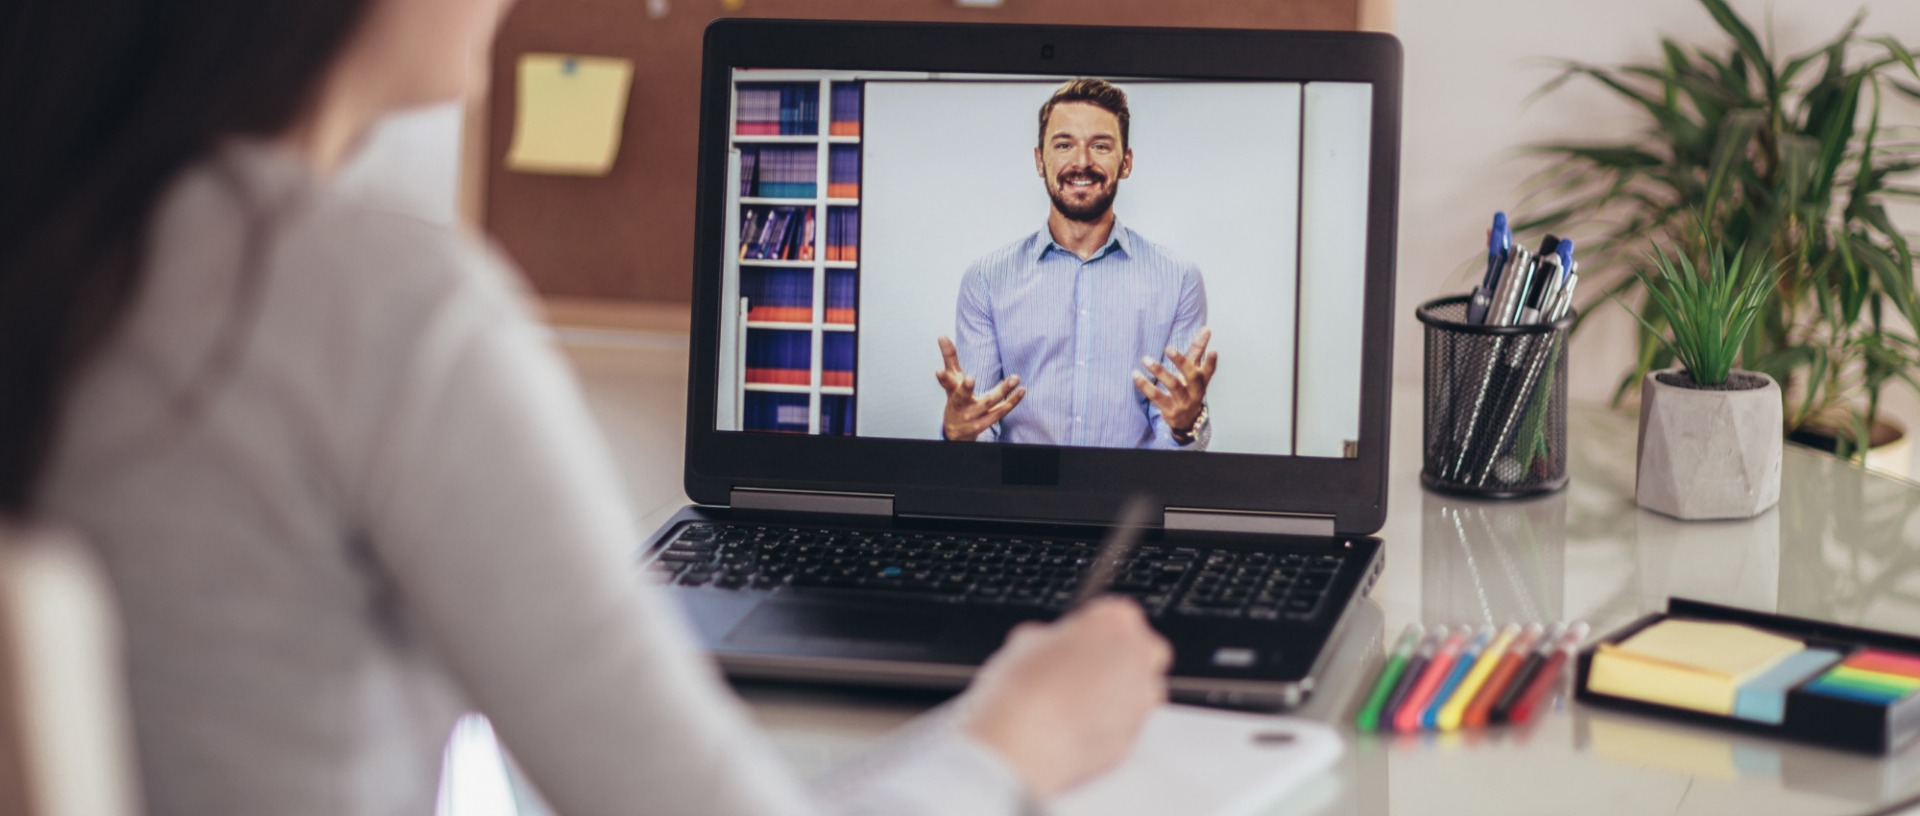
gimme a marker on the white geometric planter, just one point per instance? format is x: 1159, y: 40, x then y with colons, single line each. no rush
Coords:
x: 1708, y: 454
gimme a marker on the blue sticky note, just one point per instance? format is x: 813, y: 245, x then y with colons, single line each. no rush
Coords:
x: 1764, y: 698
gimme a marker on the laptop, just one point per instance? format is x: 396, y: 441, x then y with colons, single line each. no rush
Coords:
x: 961, y: 291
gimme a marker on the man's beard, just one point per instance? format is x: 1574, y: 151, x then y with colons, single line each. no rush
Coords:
x: 1095, y: 208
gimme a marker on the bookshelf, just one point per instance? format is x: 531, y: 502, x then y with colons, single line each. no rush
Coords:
x: 794, y: 207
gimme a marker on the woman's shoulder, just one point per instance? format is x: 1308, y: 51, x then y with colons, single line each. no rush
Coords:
x: 362, y: 249
x: 310, y: 238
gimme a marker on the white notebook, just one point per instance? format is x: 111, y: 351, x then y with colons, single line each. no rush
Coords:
x: 1203, y: 762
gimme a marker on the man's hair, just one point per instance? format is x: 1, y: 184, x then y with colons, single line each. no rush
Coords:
x: 1097, y: 92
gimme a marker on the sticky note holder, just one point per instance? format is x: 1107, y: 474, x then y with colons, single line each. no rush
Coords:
x: 1875, y: 724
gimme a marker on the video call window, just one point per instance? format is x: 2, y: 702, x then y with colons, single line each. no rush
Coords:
x: 1009, y: 260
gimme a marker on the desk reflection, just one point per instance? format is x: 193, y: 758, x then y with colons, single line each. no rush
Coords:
x: 1487, y: 562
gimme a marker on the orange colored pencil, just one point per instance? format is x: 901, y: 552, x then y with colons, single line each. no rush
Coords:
x: 1482, y: 705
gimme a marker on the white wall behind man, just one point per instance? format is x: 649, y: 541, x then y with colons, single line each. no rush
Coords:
x: 1469, y: 66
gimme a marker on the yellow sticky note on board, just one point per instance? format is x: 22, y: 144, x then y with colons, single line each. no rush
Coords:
x: 569, y: 115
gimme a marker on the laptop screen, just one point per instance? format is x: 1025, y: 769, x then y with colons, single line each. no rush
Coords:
x: 1117, y: 262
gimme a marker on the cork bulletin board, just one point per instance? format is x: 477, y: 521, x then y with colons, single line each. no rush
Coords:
x: 626, y: 237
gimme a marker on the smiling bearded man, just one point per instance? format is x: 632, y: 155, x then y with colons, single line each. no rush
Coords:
x: 1077, y: 318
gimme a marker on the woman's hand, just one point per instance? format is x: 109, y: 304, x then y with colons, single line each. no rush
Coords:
x: 1063, y: 702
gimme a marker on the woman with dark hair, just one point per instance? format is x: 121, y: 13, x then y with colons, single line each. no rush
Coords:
x: 343, y: 485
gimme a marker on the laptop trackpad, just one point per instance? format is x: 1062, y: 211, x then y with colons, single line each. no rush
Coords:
x: 837, y: 630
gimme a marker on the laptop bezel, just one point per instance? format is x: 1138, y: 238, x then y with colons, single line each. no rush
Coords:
x: 936, y: 478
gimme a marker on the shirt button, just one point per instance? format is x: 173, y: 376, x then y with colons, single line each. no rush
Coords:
x: 1076, y: 419
x: 1083, y: 311
x: 1083, y: 362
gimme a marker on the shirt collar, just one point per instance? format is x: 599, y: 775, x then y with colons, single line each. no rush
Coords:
x: 1121, y: 238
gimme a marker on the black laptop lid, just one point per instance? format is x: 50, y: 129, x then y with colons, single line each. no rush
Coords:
x: 867, y: 189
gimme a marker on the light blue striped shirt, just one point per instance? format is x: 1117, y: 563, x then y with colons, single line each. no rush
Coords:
x: 1075, y: 332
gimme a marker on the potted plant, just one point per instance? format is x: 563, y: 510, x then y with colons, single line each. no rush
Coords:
x: 1788, y: 158
x: 1709, y: 433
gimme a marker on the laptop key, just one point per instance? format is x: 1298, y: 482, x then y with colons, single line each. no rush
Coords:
x: 678, y: 557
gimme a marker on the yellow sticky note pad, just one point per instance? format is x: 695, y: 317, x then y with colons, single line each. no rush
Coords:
x: 570, y: 112
x: 1687, y: 664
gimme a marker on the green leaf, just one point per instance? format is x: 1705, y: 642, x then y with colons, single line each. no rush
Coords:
x: 1606, y: 156
x: 1898, y: 51
x: 1744, y: 40
x: 1736, y: 139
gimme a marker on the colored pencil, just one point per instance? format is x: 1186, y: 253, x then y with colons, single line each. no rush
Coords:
x: 1389, y: 677
x: 1430, y: 719
x: 1503, y: 706
x: 1456, y: 707
x: 1543, y: 684
x: 1482, y: 706
x: 1407, y: 719
x: 1411, y: 675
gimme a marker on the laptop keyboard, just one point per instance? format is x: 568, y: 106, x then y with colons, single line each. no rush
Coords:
x: 1044, y: 573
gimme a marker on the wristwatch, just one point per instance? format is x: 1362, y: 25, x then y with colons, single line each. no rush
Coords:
x: 1197, y: 433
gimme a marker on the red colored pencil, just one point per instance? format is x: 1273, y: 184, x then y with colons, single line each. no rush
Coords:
x: 1549, y: 676
x: 1503, y: 672
x: 1407, y: 719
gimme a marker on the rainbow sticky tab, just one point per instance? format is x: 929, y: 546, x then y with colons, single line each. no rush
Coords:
x: 1852, y: 691
x: 1887, y: 662
x: 1861, y: 677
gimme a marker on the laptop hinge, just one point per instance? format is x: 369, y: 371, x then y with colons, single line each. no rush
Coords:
x: 1247, y: 521
x: 812, y: 501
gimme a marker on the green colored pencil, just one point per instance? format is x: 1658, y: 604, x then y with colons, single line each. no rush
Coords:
x: 1389, y: 677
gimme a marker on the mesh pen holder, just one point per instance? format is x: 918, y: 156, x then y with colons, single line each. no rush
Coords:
x: 1496, y: 404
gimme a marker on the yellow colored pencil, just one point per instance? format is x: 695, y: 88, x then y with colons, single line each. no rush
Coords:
x: 1456, y: 707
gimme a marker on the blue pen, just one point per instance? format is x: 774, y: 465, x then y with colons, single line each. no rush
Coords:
x: 1430, y: 718
x: 1499, y: 243
x: 1565, y: 251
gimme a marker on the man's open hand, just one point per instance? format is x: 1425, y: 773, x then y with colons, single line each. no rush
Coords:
x: 968, y: 414
x: 1181, y: 391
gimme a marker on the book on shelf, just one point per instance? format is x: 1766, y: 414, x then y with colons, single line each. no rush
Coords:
x: 843, y: 171
x: 836, y: 415
x: 806, y: 237
x: 843, y: 234
x: 779, y: 357
x: 776, y: 233
x: 842, y: 296
x: 749, y: 164
x: 846, y: 109
x: 757, y: 110
x: 786, y: 413
x: 781, y: 172
x: 776, y: 109
x: 836, y: 359
x: 777, y: 295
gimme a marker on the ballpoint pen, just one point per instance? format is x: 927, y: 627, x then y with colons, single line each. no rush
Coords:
x: 1531, y: 286
x: 1486, y: 379
x: 1506, y: 295
x: 1498, y: 241
x: 1115, y: 550
x: 1545, y: 285
x: 1545, y: 351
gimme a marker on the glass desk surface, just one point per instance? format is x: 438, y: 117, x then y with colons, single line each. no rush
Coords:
x: 1842, y: 545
